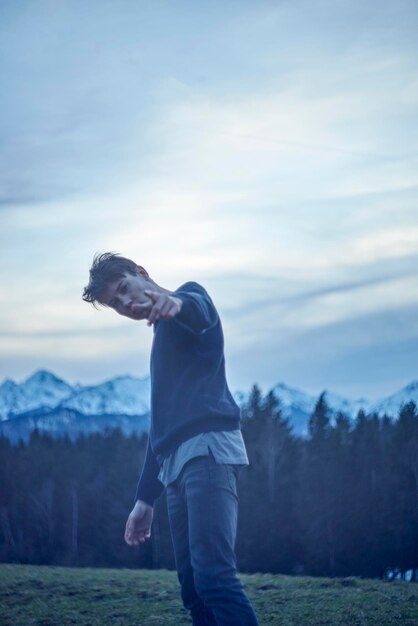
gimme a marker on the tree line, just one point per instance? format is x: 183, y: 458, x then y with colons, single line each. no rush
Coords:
x: 341, y: 502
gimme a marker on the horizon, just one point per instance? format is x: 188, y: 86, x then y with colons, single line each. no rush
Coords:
x: 264, y: 392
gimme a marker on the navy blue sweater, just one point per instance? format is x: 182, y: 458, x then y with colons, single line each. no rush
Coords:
x: 189, y: 391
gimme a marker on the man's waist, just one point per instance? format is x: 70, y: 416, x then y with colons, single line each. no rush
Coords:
x: 163, y: 445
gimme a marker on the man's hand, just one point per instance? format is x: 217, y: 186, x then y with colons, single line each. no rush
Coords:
x: 164, y: 306
x: 138, y: 526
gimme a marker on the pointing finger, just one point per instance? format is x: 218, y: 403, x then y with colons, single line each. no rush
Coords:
x: 153, y: 294
x: 137, y: 308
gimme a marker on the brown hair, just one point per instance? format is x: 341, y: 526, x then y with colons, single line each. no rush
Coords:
x: 106, y: 267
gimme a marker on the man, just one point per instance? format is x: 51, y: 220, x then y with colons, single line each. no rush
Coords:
x: 195, y: 447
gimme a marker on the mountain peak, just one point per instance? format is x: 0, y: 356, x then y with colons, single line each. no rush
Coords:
x: 8, y: 383
x: 413, y: 386
x: 42, y: 376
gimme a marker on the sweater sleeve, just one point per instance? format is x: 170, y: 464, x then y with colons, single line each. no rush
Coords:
x: 149, y: 488
x: 198, y: 313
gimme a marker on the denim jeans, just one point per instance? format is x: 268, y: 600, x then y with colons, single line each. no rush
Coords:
x: 202, y: 505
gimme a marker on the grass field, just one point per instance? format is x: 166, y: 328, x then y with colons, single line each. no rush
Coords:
x: 32, y: 595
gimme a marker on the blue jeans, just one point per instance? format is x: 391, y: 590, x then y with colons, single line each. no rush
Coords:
x: 202, y: 505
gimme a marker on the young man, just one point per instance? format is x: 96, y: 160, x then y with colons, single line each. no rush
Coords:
x: 195, y: 447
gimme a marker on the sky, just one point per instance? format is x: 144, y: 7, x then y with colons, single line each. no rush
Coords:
x: 267, y: 150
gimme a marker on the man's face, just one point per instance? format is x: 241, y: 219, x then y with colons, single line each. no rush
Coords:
x: 122, y: 293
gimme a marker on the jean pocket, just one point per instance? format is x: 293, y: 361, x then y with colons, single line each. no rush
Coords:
x: 232, y: 474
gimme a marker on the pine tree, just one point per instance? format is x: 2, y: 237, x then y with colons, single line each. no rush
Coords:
x: 406, y: 455
x: 316, y: 504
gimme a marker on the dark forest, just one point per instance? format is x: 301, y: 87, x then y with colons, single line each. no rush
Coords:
x: 342, y: 502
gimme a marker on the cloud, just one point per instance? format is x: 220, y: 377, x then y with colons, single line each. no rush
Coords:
x: 371, y: 355
x: 276, y: 165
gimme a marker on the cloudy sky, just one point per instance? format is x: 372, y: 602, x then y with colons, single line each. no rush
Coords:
x: 268, y: 150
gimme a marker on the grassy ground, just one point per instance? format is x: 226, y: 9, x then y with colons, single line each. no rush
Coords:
x: 32, y: 595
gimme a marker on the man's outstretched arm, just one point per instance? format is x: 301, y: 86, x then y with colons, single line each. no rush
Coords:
x: 191, y: 308
x: 198, y: 313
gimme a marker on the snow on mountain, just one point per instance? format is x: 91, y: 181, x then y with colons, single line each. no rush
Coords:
x: 292, y: 398
x: 348, y: 407
x: 129, y: 396
x: 42, y: 389
x: 296, y: 406
x: 123, y: 395
x: 10, y: 399
x: 394, y: 402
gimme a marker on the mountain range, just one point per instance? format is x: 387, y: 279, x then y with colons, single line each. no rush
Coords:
x: 45, y: 401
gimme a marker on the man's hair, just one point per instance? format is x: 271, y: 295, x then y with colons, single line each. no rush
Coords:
x: 106, y: 267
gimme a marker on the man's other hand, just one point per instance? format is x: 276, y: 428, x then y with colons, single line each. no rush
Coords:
x: 138, y: 526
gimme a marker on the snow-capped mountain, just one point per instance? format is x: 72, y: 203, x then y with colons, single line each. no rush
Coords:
x: 394, y: 402
x: 124, y: 395
x: 41, y: 389
x: 297, y: 406
x: 294, y: 399
x: 51, y: 404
